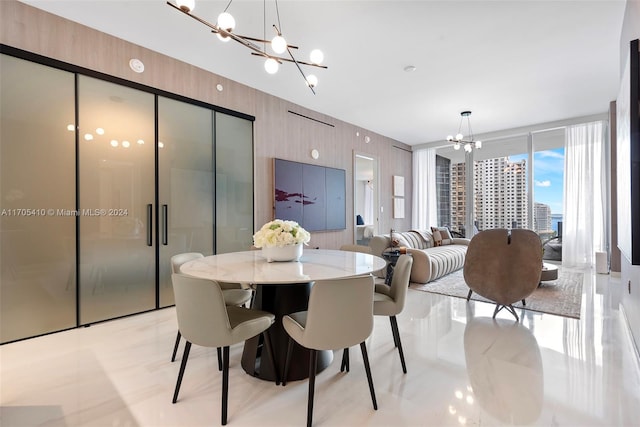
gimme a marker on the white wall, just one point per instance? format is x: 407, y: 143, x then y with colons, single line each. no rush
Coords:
x: 630, y: 274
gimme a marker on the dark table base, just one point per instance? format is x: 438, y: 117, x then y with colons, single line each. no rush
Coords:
x: 280, y: 300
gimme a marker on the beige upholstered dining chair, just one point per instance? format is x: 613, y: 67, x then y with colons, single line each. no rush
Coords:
x: 365, y: 250
x: 340, y: 315
x: 204, y: 319
x: 233, y: 294
x: 389, y: 300
x: 356, y: 248
x: 503, y: 266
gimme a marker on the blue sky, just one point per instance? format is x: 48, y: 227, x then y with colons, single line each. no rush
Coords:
x: 548, y: 177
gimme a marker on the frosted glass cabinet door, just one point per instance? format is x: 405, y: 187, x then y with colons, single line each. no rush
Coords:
x: 234, y: 183
x: 37, y: 200
x: 185, y: 180
x: 117, y: 197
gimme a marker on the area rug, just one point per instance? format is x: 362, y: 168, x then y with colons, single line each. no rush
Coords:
x: 562, y: 296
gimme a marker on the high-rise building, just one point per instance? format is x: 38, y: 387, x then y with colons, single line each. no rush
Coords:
x: 443, y: 190
x: 500, y: 194
x: 541, y: 218
x: 458, y: 195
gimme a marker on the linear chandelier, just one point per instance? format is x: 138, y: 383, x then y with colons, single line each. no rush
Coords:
x: 459, y: 140
x: 225, y: 25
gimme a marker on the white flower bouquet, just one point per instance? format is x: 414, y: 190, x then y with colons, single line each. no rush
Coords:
x: 279, y: 233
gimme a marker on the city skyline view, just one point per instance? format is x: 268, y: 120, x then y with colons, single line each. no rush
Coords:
x: 548, y: 177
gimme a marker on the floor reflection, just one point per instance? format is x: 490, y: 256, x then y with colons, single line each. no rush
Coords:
x: 505, y: 369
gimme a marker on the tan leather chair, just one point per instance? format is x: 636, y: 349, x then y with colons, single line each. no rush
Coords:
x: 503, y: 266
x: 232, y: 292
x: 204, y: 319
x: 340, y: 315
x: 389, y: 300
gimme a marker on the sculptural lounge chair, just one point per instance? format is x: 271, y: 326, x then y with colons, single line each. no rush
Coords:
x: 503, y: 266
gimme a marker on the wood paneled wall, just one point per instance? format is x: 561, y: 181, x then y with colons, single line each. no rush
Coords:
x: 277, y: 131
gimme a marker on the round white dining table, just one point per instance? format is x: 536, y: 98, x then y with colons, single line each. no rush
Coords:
x: 282, y: 288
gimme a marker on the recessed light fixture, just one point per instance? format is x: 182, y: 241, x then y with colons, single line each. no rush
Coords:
x: 136, y: 65
x: 219, y: 87
x: 409, y: 68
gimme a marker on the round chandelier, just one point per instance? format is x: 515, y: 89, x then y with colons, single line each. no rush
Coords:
x: 459, y: 140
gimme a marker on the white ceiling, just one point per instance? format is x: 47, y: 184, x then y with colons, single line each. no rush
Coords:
x: 513, y: 63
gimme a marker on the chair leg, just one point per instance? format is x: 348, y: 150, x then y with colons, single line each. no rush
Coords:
x: 225, y: 383
x: 396, y: 338
x: 287, y: 360
x: 313, y: 362
x: 175, y: 346
x: 268, y: 345
x: 469, y: 294
x: 367, y: 368
x: 219, y: 358
x: 183, y: 365
x: 345, y: 360
x: 509, y: 308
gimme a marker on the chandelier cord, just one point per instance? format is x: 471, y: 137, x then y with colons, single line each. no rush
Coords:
x: 228, y: 4
x: 279, y: 29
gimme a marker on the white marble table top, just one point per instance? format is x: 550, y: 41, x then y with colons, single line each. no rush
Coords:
x: 251, y: 267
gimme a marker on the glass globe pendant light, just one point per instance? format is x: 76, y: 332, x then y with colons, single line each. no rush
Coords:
x: 271, y: 66
x: 312, y: 80
x: 316, y: 56
x: 186, y: 5
x: 227, y: 22
x: 278, y: 44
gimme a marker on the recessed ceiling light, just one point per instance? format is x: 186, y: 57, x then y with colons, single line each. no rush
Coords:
x: 409, y: 68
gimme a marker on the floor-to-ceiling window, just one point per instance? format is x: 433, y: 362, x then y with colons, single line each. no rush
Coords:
x: 517, y: 182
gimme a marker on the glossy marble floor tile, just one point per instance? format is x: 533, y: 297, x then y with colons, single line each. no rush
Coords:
x: 463, y: 369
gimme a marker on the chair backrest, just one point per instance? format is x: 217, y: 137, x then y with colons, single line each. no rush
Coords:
x: 202, y: 314
x: 179, y: 259
x: 400, y: 280
x: 356, y: 248
x: 340, y: 313
x: 503, y: 265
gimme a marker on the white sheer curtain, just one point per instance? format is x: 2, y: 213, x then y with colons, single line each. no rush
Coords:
x: 368, y: 203
x: 584, y: 226
x: 424, y: 212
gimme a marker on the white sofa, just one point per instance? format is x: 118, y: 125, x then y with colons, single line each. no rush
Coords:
x: 430, y: 262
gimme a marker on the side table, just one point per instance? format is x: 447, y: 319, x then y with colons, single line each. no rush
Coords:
x: 549, y: 272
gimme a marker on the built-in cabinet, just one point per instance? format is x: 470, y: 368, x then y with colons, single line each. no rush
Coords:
x: 101, y: 182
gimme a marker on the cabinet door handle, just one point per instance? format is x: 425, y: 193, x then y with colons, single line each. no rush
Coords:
x: 149, y: 224
x: 165, y: 225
